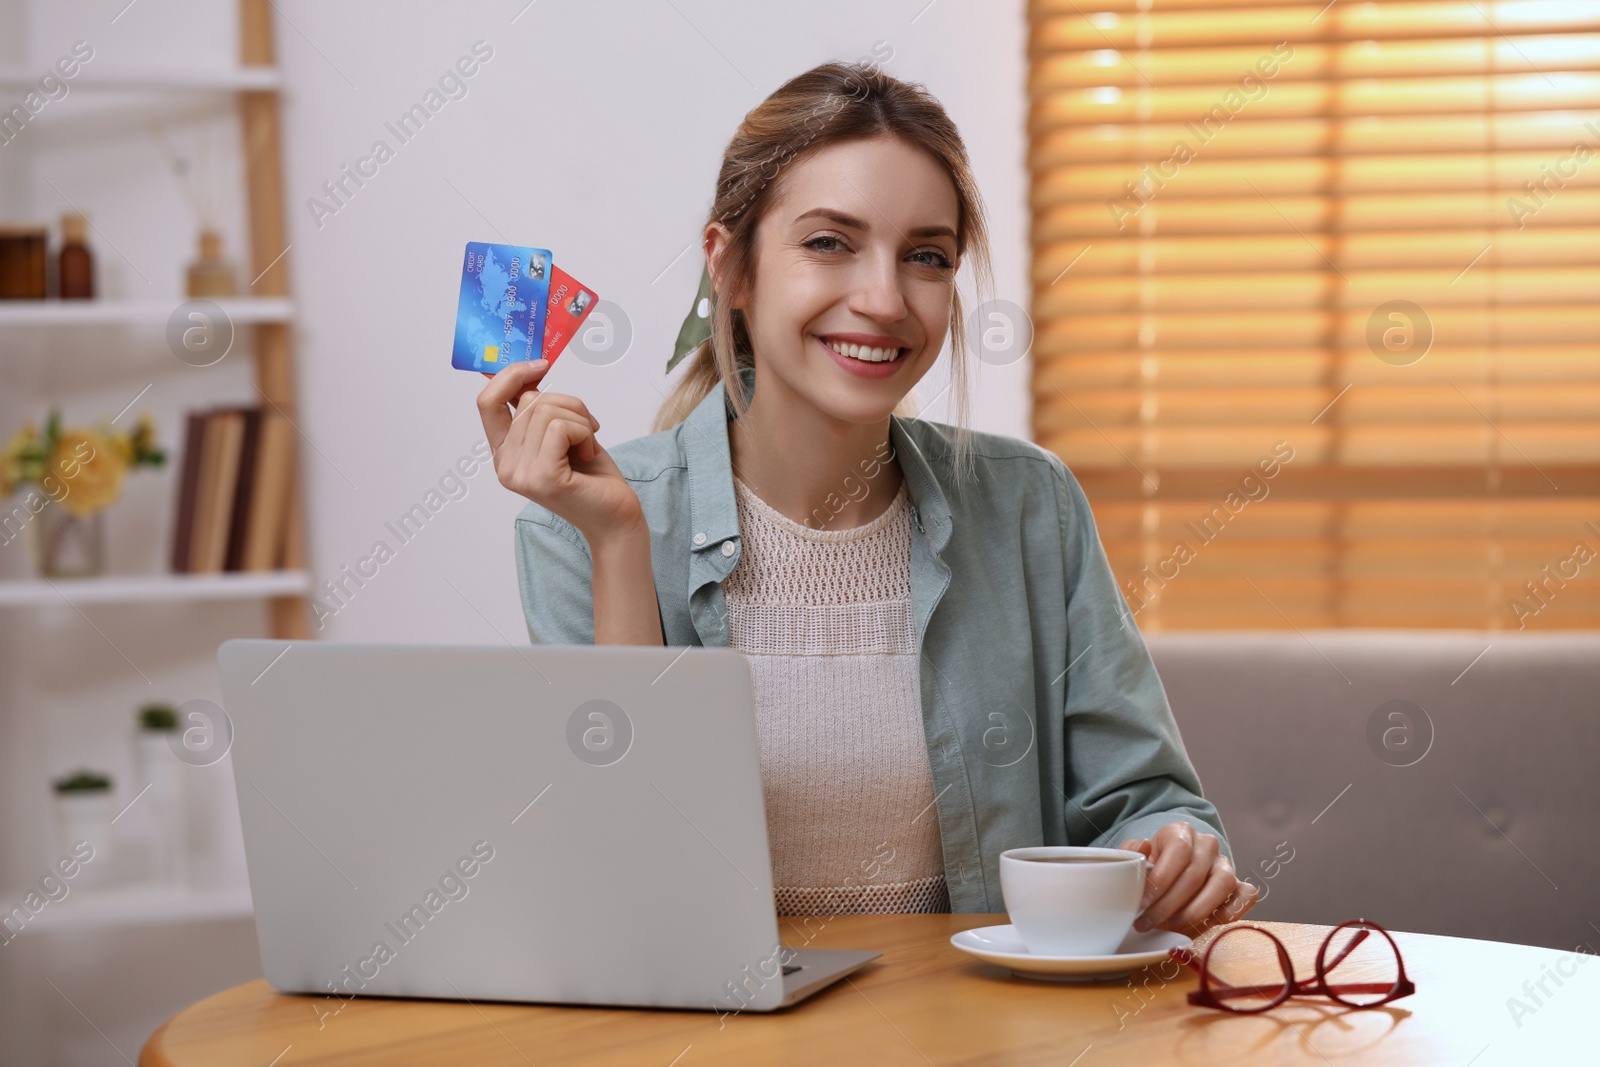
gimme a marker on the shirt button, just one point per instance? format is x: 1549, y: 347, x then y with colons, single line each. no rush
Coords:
x: 699, y: 538
x: 727, y: 548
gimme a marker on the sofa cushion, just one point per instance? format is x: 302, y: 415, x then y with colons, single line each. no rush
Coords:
x: 1437, y: 781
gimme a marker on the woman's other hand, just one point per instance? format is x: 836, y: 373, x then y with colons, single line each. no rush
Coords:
x: 545, y: 449
x: 1192, y: 886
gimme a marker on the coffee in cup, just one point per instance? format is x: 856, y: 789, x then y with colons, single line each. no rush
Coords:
x: 1067, y: 900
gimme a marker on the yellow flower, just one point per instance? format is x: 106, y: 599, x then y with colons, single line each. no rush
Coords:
x: 144, y: 434
x: 14, y: 460
x: 123, y: 443
x: 137, y: 445
x: 91, y: 470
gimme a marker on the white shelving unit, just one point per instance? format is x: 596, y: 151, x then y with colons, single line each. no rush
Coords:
x: 255, y: 80
x: 136, y: 905
x: 264, y: 323
x: 66, y: 313
x: 78, y: 656
x: 220, y: 80
x: 153, y: 588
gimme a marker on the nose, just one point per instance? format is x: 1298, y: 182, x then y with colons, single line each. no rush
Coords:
x: 876, y: 293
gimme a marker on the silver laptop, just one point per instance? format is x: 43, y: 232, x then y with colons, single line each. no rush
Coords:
x: 557, y: 824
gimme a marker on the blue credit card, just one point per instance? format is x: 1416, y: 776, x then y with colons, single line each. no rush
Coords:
x: 505, y: 291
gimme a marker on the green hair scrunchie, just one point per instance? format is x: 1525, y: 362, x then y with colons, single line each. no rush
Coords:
x: 696, y: 326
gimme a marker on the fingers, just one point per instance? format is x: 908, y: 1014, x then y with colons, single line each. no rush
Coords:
x: 1233, y: 908
x: 1245, y: 897
x: 1170, y: 851
x: 533, y: 473
x: 569, y: 403
x: 503, y: 390
x: 511, y: 382
x: 527, y: 464
x: 521, y: 430
x: 563, y: 439
x: 516, y: 431
x: 1200, y: 852
x: 1209, y: 905
x: 1191, y: 885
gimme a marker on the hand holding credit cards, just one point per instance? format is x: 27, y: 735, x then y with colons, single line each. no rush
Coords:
x: 516, y: 306
x: 517, y: 312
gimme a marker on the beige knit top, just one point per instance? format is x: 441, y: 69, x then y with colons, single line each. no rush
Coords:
x: 824, y: 617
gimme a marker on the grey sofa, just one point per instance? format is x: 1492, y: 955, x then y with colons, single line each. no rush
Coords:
x: 1476, y: 816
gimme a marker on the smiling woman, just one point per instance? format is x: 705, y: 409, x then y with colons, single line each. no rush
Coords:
x: 885, y: 179
x: 946, y: 669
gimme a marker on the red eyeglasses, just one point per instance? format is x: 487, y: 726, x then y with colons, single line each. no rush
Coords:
x: 1247, y: 995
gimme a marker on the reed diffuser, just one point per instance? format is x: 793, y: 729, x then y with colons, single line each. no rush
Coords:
x: 210, y: 273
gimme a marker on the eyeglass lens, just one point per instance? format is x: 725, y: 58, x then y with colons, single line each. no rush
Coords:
x: 1360, y: 965
x: 1245, y: 969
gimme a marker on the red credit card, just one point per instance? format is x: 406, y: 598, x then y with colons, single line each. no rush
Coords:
x: 570, y: 304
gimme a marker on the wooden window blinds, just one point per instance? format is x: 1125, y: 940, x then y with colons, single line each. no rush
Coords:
x: 1316, y: 299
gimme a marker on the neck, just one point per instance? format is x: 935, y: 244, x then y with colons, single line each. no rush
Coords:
x: 808, y: 465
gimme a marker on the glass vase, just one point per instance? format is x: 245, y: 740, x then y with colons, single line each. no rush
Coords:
x: 66, y: 545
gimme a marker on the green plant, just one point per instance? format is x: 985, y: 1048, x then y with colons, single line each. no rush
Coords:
x: 83, y: 781
x: 158, y: 717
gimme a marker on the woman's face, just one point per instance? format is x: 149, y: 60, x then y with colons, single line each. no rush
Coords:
x: 855, y: 272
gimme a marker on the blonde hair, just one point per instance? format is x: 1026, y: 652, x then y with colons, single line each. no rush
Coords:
x: 827, y: 104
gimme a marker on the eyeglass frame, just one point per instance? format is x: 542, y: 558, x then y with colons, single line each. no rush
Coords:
x: 1294, y: 987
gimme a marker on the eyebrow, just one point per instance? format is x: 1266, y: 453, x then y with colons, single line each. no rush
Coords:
x: 843, y: 219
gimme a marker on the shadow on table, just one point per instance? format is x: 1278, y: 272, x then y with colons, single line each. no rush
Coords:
x: 1369, y: 1026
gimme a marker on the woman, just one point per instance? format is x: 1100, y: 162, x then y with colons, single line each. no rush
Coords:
x: 943, y: 665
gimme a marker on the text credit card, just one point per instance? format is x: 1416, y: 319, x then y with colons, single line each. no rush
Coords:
x: 505, y: 292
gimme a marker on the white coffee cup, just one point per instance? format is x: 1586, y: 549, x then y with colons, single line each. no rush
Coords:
x: 1072, y: 901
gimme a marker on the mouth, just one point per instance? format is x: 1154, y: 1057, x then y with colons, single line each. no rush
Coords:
x: 882, y: 352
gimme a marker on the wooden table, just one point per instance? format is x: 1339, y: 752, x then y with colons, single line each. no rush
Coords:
x: 926, y: 1002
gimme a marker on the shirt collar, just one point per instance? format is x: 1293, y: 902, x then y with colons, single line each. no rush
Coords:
x: 712, y: 507
x: 713, y: 516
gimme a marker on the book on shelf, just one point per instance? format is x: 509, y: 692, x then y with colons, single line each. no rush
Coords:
x: 233, y: 489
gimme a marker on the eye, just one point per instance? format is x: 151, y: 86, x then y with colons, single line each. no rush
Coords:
x: 812, y: 244
x: 939, y: 260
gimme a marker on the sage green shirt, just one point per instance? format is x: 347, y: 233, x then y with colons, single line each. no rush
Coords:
x: 1045, y: 721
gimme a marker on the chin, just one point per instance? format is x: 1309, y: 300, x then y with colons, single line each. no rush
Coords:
x: 852, y: 403
x: 861, y: 400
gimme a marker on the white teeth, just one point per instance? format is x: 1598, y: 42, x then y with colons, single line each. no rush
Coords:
x: 861, y: 352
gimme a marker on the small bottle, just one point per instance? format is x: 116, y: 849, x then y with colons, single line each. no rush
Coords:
x: 211, y: 275
x: 75, y: 269
x: 22, y: 262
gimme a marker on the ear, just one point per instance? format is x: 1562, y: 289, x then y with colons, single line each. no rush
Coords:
x: 717, y: 239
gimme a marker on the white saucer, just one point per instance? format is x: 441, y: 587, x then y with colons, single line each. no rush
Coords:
x: 1001, y: 946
